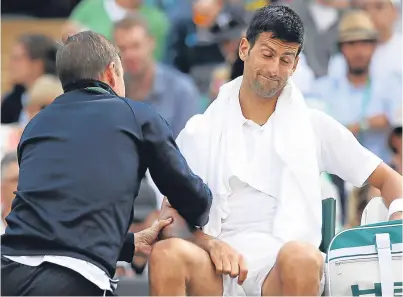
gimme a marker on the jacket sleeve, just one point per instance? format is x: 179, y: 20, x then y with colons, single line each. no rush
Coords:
x: 186, y: 192
x: 127, y: 250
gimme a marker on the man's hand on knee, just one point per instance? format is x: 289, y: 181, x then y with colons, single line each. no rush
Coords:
x: 226, y: 259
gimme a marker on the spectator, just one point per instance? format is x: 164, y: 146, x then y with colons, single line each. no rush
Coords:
x: 357, y: 96
x: 9, y: 181
x: 172, y: 93
x: 355, y: 99
x: 42, y: 93
x: 31, y: 56
x: 387, y: 59
x: 191, y: 47
x: 99, y: 16
x: 44, y: 90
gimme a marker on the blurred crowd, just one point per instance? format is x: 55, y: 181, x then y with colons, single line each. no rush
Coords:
x: 177, y: 53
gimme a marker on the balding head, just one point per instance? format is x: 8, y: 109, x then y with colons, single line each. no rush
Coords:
x: 88, y: 55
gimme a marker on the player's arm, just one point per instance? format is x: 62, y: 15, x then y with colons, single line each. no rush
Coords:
x: 345, y: 157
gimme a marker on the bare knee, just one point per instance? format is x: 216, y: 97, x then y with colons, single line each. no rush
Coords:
x: 297, y: 257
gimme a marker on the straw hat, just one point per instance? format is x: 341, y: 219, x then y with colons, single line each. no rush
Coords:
x: 357, y: 25
x: 44, y: 90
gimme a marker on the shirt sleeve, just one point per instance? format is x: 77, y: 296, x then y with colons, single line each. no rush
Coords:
x: 341, y: 153
x: 127, y: 250
x: 186, y: 192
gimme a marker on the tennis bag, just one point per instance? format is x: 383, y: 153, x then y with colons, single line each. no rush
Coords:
x: 366, y: 261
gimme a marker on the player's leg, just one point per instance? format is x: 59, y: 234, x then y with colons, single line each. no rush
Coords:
x: 179, y: 268
x: 298, y: 271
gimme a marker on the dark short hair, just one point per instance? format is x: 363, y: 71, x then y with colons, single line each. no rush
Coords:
x: 40, y: 47
x: 281, y: 21
x: 84, y: 56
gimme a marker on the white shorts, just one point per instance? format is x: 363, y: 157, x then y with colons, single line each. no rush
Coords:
x: 260, y: 259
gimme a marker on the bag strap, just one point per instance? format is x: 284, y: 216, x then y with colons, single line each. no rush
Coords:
x: 383, y: 247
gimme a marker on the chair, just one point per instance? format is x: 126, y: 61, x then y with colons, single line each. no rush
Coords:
x: 328, y: 223
x: 328, y: 227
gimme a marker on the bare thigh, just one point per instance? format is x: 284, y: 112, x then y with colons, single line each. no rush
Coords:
x: 187, y: 261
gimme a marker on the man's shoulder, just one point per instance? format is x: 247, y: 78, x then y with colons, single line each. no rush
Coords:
x: 140, y: 110
x: 319, y: 117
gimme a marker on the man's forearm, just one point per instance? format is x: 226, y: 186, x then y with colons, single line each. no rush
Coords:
x: 392, y: 188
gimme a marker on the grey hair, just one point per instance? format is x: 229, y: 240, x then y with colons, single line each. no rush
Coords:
x: 6, y: 161
x: 85, y: 55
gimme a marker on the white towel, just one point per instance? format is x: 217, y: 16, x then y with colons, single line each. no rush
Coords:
x: 213, y: 144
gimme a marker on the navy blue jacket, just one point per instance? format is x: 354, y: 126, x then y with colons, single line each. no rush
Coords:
x: 81, y: 162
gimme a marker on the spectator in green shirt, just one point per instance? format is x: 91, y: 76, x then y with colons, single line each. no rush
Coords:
x: 100, y: 15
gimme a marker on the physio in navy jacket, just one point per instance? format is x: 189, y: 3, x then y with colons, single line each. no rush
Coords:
x: 81, y: 162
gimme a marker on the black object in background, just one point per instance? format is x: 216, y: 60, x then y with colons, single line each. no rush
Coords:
x: 39, y: 8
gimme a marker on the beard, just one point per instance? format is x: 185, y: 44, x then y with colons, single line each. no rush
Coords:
x: 267, y: 92
x: 358, y: 70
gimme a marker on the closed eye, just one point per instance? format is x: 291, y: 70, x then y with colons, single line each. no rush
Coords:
x: 285, y: 61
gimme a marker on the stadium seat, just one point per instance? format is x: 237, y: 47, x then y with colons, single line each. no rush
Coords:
x: 328, y: 227
x: 328, y: 223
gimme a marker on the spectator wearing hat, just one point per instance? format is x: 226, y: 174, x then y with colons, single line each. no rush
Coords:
x: 356, y: 99
x: 387, y: 58
x: 42, y: 93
